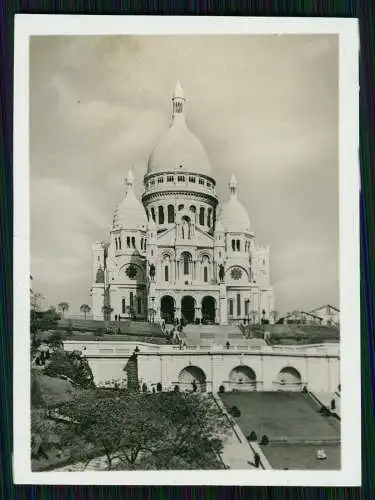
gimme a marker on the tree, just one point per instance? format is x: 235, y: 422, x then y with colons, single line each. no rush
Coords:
x: 74, y: 367
x: 55, y: 339
x: 196, y: 428
x: 107, y: 311
x: 35, y: 300
x: 43, y: 436
x: 85, y: 308
x: 41, y: 321
x: 182, y: 433
x: 63, y: 306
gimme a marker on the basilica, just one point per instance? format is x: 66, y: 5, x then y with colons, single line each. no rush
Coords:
x: 176, y: 254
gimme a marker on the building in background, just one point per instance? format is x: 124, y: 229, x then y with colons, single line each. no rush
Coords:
x: 175, y: 255
x: 330, y: 314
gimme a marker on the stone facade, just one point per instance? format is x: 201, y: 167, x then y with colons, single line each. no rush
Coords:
x: 175, y: 256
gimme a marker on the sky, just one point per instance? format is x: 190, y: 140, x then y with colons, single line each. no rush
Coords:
x: 264, y: 107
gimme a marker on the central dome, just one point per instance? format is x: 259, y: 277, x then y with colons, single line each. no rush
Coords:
x: 178, y: 149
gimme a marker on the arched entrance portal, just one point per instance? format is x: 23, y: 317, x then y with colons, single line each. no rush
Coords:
x: 167, y: 308
x: 242, y: 378
x: 188, y: 308
x: 192, y: 378
x: 208, y: 309
x: 289, y: 379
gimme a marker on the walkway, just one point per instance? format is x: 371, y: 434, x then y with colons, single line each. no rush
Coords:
x: 237, y: 453
x: 326, y: 398
x: 209, y: 335
x: 99, y: 463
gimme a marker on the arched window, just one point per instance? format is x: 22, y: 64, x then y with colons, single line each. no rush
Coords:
x: 123, y: 306
x: 153, y: 214
x: 238, y: 245
x: 131, y: 299
x: 115, y: 244
x: 205, y: 274
x: 180, y: 207
x: 161, y: 215
x: 128, y: 241
x: 170, y: 214
x: 238, y: 304
x: 166, y: 273
x: 186, y: 257
x: 148, y: 214
x: 201, y: 216
x: 233, y: 245
x: 141, y: 243
x: 193, y: 208
x: 209, y: 213
x: 133, y: 241
x: 230, y: 307
x: 139, y: 305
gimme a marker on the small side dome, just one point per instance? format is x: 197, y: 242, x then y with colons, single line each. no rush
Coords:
x: 234, y: 217
x: 130, y: 214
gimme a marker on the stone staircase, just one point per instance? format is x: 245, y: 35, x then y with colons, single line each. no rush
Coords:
x: 207, y: 335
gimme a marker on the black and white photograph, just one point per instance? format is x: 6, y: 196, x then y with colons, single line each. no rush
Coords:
x: 186, y: 218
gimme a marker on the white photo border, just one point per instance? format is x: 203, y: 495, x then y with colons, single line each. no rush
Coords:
x: 349, y: 188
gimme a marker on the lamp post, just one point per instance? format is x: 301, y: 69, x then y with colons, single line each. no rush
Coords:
x: 153, y: 309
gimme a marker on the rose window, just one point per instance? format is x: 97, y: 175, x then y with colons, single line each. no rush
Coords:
x: 131, y: 272
x: 236, y: 273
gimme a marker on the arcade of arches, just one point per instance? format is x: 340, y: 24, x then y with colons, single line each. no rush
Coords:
x: 241, y: 378
x: 190, y: 309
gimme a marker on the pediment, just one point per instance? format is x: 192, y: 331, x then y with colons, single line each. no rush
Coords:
x: 198, y: 239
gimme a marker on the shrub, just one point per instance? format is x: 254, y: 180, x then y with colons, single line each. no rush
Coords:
x: 76, y: 369
x: 264, y: 441
x: 144, y: 387
x: 221, y: 389
x: 253, y: 436
x: 304, y: 390
x: 99, y: 332
x: 333, y: 404
x: 197, y: 321
x: 176, y: 388
x: 235, y: 412
x: 257, y: 460
x: 159, y: 387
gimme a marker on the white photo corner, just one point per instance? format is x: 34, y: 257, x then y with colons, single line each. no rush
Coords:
x: 186, y: 251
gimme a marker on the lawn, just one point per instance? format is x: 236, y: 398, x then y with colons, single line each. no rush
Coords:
x: 302, y: 456
x: 281, y: 415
